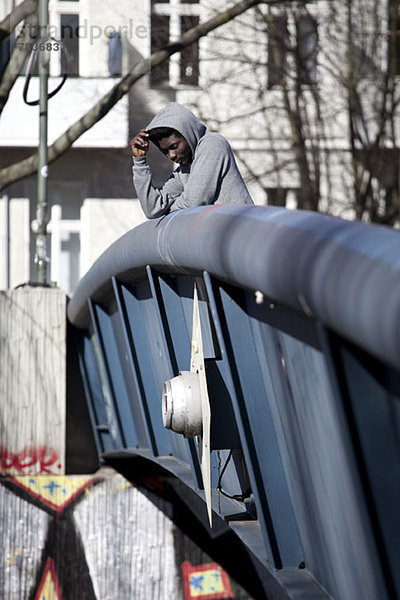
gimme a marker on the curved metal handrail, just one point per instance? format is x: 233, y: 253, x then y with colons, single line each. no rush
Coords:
x: 347, y: 274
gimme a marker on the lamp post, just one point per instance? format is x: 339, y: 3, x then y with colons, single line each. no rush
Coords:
x: 41, y: 258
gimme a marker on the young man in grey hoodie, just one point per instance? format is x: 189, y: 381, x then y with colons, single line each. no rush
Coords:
x: 207, y: 172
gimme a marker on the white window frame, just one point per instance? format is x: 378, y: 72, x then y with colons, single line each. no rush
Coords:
x: 175, y: 9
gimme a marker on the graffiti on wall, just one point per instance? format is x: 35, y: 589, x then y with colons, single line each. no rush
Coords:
x: 91, y: 537
x: 208, y: 581
x: 57, y: 495
x: 40, y: 459
x: 49, y: 588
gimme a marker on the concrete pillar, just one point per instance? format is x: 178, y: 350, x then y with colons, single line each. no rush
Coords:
x: 32, y: 381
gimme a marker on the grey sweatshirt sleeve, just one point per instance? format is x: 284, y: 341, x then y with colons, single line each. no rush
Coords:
x: 213, y: 166
x: 212, y: 162
x: 155, y: 201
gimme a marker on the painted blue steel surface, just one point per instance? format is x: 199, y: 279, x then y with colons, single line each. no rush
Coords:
x: 105, y: 329
x: 94, y: 394
x: 106, y: 384
x: 175, y: 326
x: 141, y: 417
x: 298, y: 376
x: 256, y: 430
x: 152, y: 362
x: 373, y: 393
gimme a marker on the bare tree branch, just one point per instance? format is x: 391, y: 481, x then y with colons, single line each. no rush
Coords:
x: 20, y: 12
x: 18, y: 57
x: 29, y: 165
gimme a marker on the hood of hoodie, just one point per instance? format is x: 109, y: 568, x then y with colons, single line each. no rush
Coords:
x: 181, y: 119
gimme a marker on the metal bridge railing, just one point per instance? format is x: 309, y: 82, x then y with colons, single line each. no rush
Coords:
x: 300, y: 324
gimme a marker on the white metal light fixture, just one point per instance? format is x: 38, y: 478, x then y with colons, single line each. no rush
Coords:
x: 182, y: 404
x: 185, y: 403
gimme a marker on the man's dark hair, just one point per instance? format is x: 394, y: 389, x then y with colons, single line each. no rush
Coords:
x: 159, y: 133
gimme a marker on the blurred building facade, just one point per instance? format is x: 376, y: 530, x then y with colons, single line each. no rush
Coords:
x: 298, y: 96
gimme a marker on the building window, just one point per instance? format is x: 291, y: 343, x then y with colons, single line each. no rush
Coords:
x: 114, y: 61
x: 307, y: 49
x: 159, y: 38
x: 296, y: 40
x: 189, y: 65
x: 276, y: 196
x: 169, y: 20
x: 70, y: 37
x: 278, y: 47
x: 394, y: 42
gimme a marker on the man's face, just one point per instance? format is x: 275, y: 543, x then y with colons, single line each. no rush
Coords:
x: 177, y: 149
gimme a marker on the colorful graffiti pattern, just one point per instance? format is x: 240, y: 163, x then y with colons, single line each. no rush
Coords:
x: 49, y: 588
x: 61, y: 567
x: 206, y: 582
x: 41, y: 459
x: 57, y: 495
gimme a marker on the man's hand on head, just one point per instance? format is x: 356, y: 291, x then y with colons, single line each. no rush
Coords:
x: 140, y: 143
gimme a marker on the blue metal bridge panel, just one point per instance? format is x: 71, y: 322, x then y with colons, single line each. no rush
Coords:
x: 303, y: 381
x: 95, y: 394
x: 151, y: 359
x: 255, y: 426
x: 372, y: 391
x: 105, y: 330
